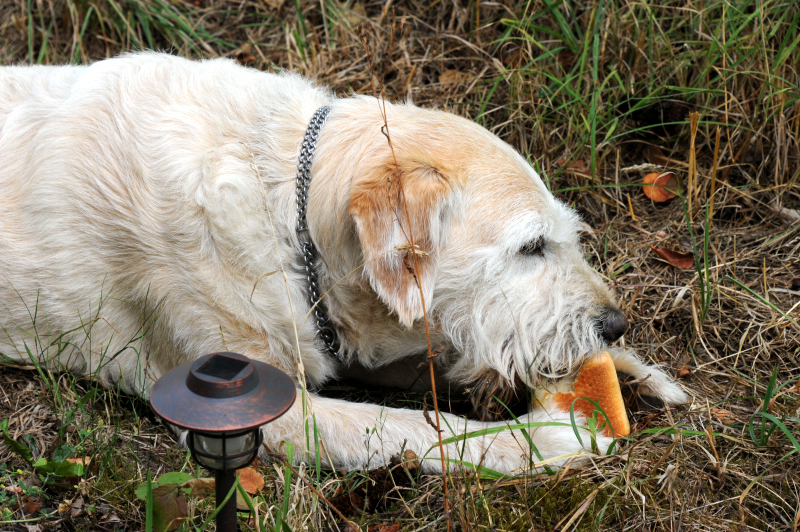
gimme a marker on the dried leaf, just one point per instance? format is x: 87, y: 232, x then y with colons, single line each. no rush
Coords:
x: 76, y: 508
x: 566, y: 58
x: 251, y: 480
x: 169, y: 507
x: 678, y: 259
x: 245, y: 59
x: 410, y: 460
x: 383, y: 527
x: 684, y: 372
x: 511, y: 57
x: 655, y: 155
x: 660, y: 187
x: 200, y: 487
x: 32, y: 505
x: 450, y: 77
x: 725, y: 417
x: 578, y: 167
x: 84, y: 461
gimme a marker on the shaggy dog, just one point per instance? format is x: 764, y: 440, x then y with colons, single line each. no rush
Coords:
x: 145, y: 201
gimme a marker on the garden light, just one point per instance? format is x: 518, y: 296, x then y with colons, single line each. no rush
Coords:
x: 222, y: 399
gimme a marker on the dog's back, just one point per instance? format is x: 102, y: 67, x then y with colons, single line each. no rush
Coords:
x: 32, y: 92
x: 102, y: 170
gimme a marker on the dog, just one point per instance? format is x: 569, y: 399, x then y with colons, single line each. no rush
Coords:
x: 147, y: 200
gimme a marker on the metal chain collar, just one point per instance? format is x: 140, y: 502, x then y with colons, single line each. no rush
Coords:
x: 325, y: 331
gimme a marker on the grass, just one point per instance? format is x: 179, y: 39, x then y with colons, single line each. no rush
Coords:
x: 594, y: 95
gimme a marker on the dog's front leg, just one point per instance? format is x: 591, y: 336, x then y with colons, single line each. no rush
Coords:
x: 358, y: 435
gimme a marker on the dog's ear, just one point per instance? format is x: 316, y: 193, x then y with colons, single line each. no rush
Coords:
x: 390, y: 206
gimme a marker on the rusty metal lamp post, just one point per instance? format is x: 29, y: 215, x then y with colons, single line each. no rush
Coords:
x: 222, y: 399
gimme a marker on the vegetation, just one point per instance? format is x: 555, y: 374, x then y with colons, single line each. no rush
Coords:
x: 596, y: 95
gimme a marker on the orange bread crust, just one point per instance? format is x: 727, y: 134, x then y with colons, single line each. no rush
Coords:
x: 597, y: 380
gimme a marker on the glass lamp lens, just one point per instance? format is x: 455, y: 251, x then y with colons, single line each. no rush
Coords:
x: 234, y: 444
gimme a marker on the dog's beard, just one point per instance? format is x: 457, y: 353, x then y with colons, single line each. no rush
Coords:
x: 551, y: 344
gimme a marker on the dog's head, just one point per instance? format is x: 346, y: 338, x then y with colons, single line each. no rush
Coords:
x: 451, y: 215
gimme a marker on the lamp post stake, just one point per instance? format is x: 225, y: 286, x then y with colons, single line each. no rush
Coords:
x: 226, y: 517
x: 223, y: 400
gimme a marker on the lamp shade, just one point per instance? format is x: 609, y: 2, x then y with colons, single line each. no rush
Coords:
x: 222, y: 393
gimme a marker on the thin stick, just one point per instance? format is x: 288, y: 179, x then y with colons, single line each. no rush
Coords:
x: 404, y: 208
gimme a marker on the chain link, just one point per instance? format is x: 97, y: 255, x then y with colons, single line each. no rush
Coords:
x: 325, y: 331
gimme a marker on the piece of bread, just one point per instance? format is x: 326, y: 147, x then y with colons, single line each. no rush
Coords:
x: 596, y: 380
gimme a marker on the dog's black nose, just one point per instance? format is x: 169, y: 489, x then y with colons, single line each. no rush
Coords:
x: 614, y: 324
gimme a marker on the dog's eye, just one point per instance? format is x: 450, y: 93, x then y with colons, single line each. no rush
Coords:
x: 534, y: 247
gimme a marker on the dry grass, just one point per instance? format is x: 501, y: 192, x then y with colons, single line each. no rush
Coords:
x: 587, y: 92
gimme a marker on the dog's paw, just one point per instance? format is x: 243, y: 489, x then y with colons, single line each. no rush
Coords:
x: 556, y: 440
x: 656, y: 386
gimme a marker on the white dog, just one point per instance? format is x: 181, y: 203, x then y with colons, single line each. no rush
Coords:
x: 144, y: 200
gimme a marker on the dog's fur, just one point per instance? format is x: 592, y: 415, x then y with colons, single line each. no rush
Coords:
x: 149, y: 185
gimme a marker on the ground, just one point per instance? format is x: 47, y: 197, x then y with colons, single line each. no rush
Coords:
x: 596, y: 95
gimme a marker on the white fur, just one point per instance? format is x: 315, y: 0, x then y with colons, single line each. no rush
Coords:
x: 143, y: 198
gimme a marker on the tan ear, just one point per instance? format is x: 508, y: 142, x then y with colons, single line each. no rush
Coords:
x: 389, y: 206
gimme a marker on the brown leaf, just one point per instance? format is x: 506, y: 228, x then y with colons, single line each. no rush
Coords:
x: 76, y: 508
x: 32, y: 505
x: 566, y: 58
x: 655, y: 155
x: 201, y: 487
x: 245, y: 59
x: 678, y: 259
x: 410, y: 460
x: 169, y: 507
x: 511, y: 57
x: 660, y: 187
x: 251, y: 480
x: 383, y: 527
x: 684, y: 372
x: 450, y: 77
x: 578, y: 167
x: 725, y: 417
x: 84, y: 461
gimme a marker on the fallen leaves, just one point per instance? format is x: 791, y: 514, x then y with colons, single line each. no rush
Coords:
x: 451, y: 77
x: 32, y: 505
x: 251, y: 480
x: 726, y: 417
x: 169, y: 507
x: 410, y: 460
x: 655, y: 155
x: 170, y: 490
x: 578, y: 168
x: 660, y: 187
x: 684, y: 372
x: 200, y: 487
x: 382, y: 527
x: 677, y: 259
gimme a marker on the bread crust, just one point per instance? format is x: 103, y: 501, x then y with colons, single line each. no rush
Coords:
x: 596, y: 380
